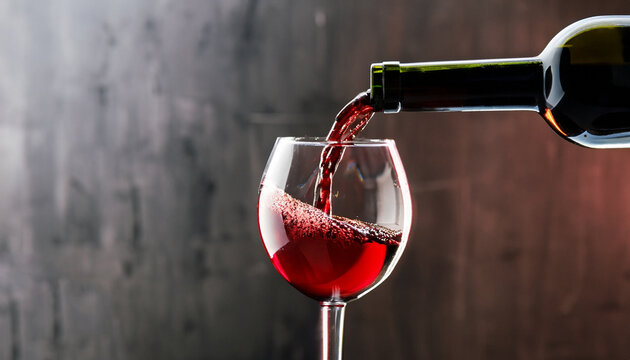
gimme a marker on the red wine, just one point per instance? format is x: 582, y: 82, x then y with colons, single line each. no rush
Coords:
x: 350, y: 121
x: 352, y: 118
x: 580, y: 84
x: 328, y: 258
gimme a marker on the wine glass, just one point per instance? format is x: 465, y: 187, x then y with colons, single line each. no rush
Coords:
x: 338, y: 256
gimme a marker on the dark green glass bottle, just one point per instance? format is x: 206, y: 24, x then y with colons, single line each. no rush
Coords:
x: 580, y: 84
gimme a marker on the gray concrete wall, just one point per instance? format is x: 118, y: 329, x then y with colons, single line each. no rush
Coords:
x: 133, y: 135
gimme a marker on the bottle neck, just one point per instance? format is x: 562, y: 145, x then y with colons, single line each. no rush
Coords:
x: 505, y: 84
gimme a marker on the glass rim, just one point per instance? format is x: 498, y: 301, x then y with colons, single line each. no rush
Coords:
x: 321, y: 141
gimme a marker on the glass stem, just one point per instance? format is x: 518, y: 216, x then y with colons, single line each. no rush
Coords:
x: 332, y: 329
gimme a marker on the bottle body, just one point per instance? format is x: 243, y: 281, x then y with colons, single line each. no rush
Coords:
x: 580, y: 84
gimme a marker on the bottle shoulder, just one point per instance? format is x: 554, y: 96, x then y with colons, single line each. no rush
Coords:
x: 582, y: 27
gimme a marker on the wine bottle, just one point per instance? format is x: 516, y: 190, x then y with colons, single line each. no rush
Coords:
x: 580, y: 84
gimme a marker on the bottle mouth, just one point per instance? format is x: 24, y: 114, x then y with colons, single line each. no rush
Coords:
x: 385, y: 86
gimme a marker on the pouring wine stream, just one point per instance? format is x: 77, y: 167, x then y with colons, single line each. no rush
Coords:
x: 348, y: 123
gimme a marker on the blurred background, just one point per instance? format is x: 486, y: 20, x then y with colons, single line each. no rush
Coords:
x: 133, y: 135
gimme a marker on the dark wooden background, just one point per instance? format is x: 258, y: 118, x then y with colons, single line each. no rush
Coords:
x: 133, y: 135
